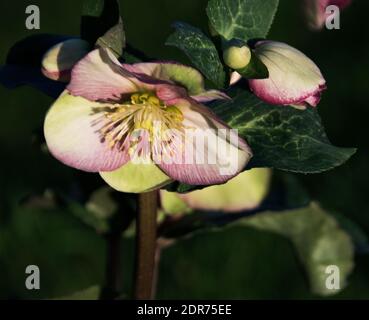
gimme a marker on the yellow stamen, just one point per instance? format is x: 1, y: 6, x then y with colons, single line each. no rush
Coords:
x: 144, y: 97
x: 135, y: 98
x: 176, y: 112
x: 142, y: 111
x: 154, y: 101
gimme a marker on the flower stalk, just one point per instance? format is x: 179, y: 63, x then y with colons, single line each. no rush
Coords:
x: 145, y: 245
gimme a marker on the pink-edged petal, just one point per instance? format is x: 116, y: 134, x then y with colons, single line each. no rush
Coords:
x: 71, y: 135
x: 99, y: 76
x: 173, y: 73
x: 206, y: 152
x: 146, y: 68
x: 59, y: 60
x: 315, y: 98
x: 293, y: 77
x: 210, y: 95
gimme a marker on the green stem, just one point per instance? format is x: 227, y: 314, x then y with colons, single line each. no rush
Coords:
x: 145, y: 244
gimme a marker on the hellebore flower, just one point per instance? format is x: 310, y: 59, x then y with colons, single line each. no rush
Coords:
x: 293, y: 79
x: 59, y: 60
x: 316, y: 11
x: 142, y: 126
x: 244, y: 192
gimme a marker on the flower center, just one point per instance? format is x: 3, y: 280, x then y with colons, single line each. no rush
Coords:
x: 142, y: 112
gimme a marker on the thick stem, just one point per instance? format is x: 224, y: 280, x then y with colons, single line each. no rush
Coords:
x: 145, y: 244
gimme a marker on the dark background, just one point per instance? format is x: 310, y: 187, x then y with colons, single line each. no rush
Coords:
x: 237, y: 263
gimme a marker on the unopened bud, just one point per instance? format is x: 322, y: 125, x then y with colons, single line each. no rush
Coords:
x: 237, y: 57
x: 59, y: 60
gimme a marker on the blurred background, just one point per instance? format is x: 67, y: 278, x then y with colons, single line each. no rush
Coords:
x: 237, y: 263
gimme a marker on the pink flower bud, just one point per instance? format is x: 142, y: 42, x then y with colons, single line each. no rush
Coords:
x: 59, y: 60
x: 294, y: 79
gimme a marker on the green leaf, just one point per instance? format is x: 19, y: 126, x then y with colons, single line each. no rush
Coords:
x: 113, y: 39
x: 256, y: 69
x: 58, y: 244
x: 242, y: 19
x: 201, y: 51
x: 281, y: 137
x: 317, y: 238
x: 102, y: 25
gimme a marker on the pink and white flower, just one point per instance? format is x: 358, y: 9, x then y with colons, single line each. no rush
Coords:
x: 130, y: 124
x: 294, y: 79
x: 316, y: 11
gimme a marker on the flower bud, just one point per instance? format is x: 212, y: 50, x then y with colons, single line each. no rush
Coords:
x: 294, y: 79
x: 237, y: 57
x: 59, y: 60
